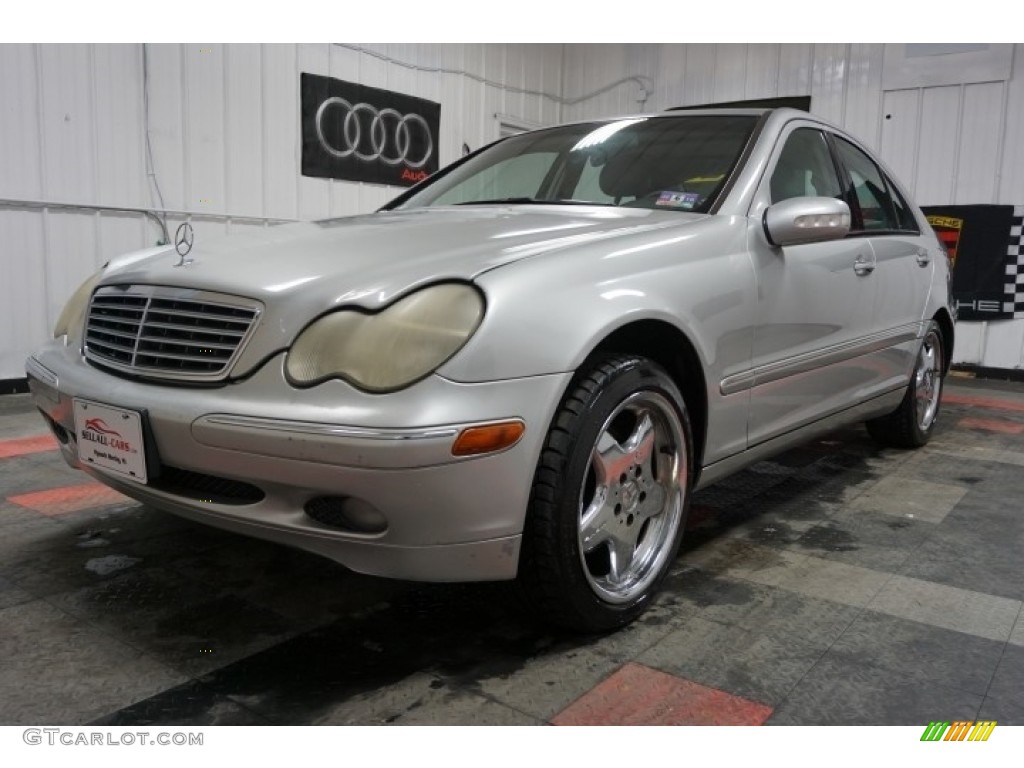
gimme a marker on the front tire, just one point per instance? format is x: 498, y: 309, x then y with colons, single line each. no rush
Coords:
x: 912, y: 424
x: 610, y: 496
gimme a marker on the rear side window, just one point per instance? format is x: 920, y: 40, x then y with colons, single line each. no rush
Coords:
x: 869, y: 188
x: 904, y: 216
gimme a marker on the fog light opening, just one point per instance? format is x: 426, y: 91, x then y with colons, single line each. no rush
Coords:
x: 488, y: 438
x: 347, y: 513
x: 58, y: 431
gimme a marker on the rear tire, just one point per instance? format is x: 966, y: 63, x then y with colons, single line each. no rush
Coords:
x: 911, y: 425
x: 609, y: 498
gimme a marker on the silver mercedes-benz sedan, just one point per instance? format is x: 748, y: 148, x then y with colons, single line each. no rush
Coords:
x: 522, y: 367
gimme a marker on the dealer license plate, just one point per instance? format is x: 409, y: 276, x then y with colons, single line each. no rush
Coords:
x: 110, y: 439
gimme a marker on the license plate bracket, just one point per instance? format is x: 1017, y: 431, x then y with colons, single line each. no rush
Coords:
x: 111, y: 439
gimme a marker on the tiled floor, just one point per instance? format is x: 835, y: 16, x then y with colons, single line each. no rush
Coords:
x: 836, y: 584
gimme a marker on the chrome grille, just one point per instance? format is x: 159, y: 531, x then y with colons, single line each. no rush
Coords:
x: 167, y: 332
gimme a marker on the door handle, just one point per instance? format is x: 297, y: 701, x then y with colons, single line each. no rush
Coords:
x: 863, y: 267
x: 923, y: 258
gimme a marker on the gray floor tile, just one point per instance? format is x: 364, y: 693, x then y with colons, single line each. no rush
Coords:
x: 756, y: 665
x: 1003, y: 712
x: 187, y: 625
x: 1008, y: 683
x: 961, y: 610
x: 866, y: 539
x: 838, y: 692
x: 830, y: 580
x: 1017, y: 633
x: 11, y: 594
x: 907, y: 497
x: 786, y: 615
x: 713, y: 597
x: 740, y: 559
x: 919, y: 651
x: 547, y: 683
x: 56, y: 669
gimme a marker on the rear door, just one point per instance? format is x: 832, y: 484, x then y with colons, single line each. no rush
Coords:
x: 903, y: 261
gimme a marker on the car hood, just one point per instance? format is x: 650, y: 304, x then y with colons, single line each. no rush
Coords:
x: 368, y: 260
x: 300, y: 271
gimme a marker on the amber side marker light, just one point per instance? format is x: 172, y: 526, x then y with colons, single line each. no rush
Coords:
x: 488, y: 438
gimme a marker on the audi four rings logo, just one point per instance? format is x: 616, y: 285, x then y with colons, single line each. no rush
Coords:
x: 357, y: 132
x: 390, y: 136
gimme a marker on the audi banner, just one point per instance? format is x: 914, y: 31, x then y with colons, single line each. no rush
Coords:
x: 359, y: 133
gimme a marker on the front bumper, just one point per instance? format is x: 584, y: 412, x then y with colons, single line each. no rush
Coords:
x: 447, y: 518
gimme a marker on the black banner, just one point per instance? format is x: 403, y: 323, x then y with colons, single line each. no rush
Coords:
x: 359, y: 133
x: 984, y: 242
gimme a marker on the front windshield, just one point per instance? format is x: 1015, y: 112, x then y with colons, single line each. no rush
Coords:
x: 677, y: 163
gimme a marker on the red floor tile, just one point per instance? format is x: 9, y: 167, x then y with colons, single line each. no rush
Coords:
x: 983, y: 402
x: 23, y: 445
x: 639, y: 695
x: 60, y: 501
x: 992, y: 425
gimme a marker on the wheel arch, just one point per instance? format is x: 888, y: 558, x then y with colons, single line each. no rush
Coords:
x: 673, y: 350
x: 946, y: 328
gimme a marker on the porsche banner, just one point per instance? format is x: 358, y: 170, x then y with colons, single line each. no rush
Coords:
x: 359, y: 133
x: 984, y: 242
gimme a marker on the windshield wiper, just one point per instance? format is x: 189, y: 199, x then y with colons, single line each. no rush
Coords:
x: 524, y: 201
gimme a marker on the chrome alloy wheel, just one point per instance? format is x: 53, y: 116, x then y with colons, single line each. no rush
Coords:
x: 928, y: 381
x: 632, y: 498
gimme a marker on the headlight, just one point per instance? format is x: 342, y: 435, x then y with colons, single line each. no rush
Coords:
x: 72, y: 317
x: 389, y: 349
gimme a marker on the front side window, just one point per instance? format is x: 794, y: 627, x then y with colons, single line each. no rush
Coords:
x: 869, y: 189
x: 805, y: 168
x: 677, y: 163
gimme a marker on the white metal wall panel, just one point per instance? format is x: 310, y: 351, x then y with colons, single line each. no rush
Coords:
x: 669, y: 61
x: 730, y: 71
x: 970, y: 343
x: 900, y: 132
x: 204, y: 105
x: 698, y: 75
x: 167, y: 123
x: 70, y: 255
x: 937, y: 146
x: 280, y: 131
x: 243, y: 130
x: 20, y: 151
x: 981, y: 128
x: 796, y: 64
x: 1011, y: 189
x: 122, y: 233
x: 864, y: 93
x: 314, y: 195
x: 24, y: 323
x: 828, y: 82
x: 119, y: 134
x: 1003, y: 343
x: 762, y: 71
x: 69, y: 153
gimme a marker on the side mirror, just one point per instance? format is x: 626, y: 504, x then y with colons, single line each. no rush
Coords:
x: 806, y: 220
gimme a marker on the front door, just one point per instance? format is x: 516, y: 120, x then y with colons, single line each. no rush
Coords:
x: 815, y: 301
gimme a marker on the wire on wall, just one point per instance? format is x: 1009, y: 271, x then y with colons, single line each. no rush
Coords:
x: 645, y: 83
x: 150, y: 165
